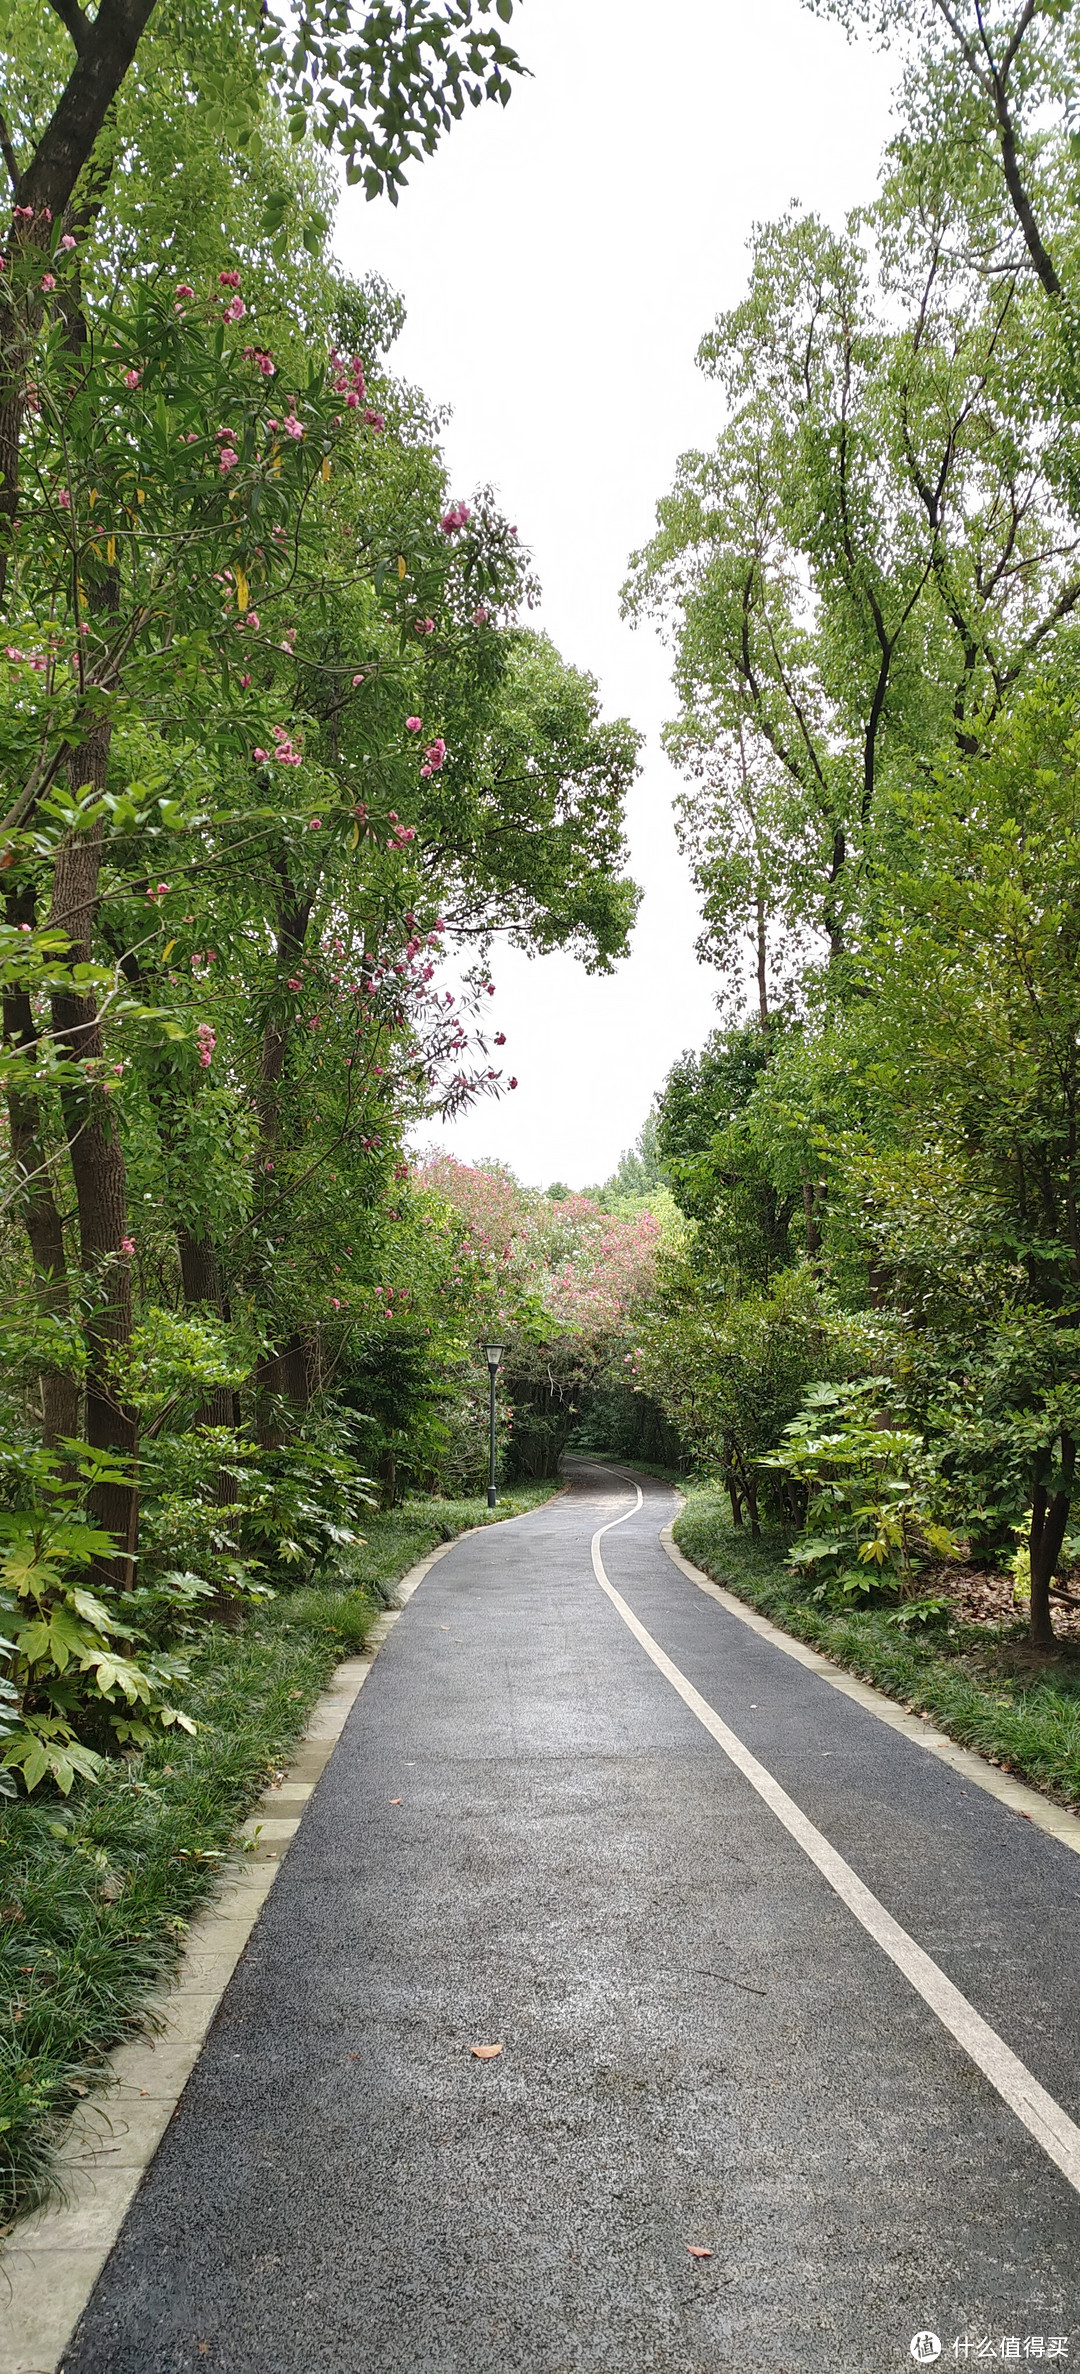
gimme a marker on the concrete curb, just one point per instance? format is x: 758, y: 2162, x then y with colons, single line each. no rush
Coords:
x: 1054, y: 1819
x: 51, y: 2262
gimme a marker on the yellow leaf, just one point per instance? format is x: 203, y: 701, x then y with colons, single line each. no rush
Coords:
x: 325, y: 468
x: 401, y: 564
x: 92, y: 497
x: 354, y: 842
x: 167, y: 950
x: 110, y: 550
x: 241, y: 590
x: 141, y: 493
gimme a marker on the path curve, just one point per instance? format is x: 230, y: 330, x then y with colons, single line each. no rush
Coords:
x: 528, y: 1836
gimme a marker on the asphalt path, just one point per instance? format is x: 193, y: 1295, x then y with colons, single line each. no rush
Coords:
x: 701, y: 2045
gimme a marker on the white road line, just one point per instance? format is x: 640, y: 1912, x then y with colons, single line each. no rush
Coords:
x: 1044, y: 2118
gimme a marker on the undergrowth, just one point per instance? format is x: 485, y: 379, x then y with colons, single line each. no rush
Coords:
x: 96, y: 1891
x: 985, y: 1687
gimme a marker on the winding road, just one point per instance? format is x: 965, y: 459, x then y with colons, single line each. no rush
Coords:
x: 771, y: 1983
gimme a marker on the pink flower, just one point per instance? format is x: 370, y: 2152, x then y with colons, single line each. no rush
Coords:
x: 334, y: 1303
x: 235, y: 311
x: 48, y: 280
x: 67, y: 242
x: 127, y: 1245
x: 511, y: 1083
x: 227, y: 458
x: 244, y: 682
x: 425, y: 626
x: 358, y: 679
x: 500, y: 1038
x: 252, y: 620
x: 412, y: 725
x: 435, y: 753
x: 480, y: 616
x: 375, y: 421
x: 314, y: 822
x: 293, y: 984
x: 260, y: 756
x: 64, y: 498
x: 12, y: 652
x: 425, y: 771
x: 292, y: 426
x: 207, y: 1039
x: 228, y: 280
x: 24, y: 214
x: 184, y: 289
x: 454, y: 519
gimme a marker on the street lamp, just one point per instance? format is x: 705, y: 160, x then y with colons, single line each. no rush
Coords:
x: 494, y: 1355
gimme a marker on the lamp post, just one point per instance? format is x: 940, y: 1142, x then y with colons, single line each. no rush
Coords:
x: 494, y: 1355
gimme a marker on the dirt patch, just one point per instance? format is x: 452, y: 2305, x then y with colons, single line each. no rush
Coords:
x: 987, y: 1599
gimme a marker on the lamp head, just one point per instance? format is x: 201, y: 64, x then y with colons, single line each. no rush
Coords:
x: 494, y: 1354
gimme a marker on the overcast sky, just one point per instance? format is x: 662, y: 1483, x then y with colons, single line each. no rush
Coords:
x: 560, y: 260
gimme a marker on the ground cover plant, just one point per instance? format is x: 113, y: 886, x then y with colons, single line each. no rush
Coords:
x: 96, y: 1891
x: 979, y: 1681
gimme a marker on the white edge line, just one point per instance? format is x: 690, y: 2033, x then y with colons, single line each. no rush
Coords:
x: 1046, y: 2122
x: 1056, y: 1820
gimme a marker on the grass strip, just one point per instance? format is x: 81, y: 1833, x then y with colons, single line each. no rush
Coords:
x: 986, y: 1688
x: 96, y: 1894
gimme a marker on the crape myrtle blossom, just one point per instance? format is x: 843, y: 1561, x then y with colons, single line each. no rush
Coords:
x: 588, y: 1270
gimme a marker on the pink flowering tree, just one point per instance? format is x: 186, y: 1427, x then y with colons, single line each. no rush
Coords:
x: 562, y: 1280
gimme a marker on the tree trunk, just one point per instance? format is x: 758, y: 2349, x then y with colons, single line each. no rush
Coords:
x: 762, y: 967
x: 1049, y: 1518
x: 282, y: 1372
x: 105, y: 47
x: 200, y: 1276
x: 99, y: 1171
x: 813, y: 1232
x: 41, y: 1217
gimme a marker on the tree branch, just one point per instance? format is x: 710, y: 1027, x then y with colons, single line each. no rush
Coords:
x: 8, y: 154
x: 73, y: 21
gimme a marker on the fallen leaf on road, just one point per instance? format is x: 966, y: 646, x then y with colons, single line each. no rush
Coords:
x: 395, y: 1800
x: 486, y: 2052
x: 356, y: 2056
x: 698, y: 2251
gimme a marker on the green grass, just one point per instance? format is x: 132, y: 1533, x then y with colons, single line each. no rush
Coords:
x: 96, y: 1894
x: 985, y: 1689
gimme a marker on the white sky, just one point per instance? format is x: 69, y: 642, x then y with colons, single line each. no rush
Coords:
x: 560, y: 260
